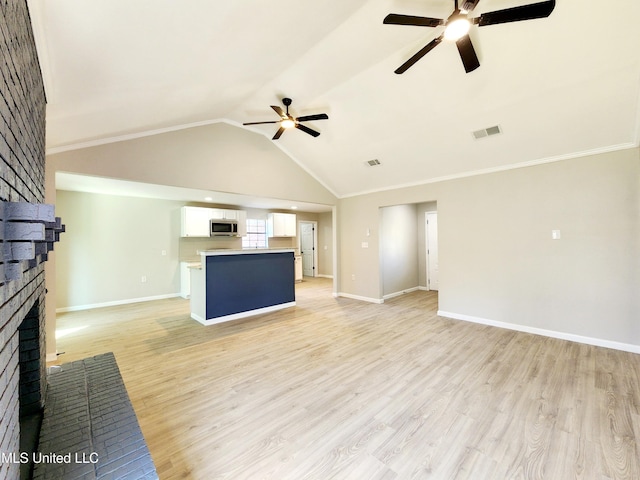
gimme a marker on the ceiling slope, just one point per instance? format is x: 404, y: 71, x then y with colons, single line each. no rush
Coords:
x: 561, y: 86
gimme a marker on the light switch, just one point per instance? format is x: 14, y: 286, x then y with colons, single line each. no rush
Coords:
x: 555, y: 234
x: 365, y: 244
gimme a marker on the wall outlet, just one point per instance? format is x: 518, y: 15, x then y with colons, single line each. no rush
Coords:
x: 353, y: 276
x: 143, y: 279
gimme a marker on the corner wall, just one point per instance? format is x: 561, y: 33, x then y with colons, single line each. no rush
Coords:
x: 498, y: 262
x: 22, y: 137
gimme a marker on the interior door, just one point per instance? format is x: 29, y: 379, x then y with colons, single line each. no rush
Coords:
x: 307, y: 248
x: 431, y: 234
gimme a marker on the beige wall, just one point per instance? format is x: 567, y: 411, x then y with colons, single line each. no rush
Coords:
x: 110, y: 243
x: 497, y: 259
x: 217, y: 157
x: 325, y: 244
x: 398, y: 248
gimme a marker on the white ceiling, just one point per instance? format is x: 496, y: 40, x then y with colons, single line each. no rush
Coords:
x: 558, y: 87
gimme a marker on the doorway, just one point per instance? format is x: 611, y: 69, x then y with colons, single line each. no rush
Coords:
x: 431, y: 244
x: 308, y: 249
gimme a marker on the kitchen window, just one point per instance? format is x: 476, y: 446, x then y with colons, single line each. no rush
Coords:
x: 256, y: 234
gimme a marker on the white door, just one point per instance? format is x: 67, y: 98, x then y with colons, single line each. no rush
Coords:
x: 308, y: 248
x: 431, y: 234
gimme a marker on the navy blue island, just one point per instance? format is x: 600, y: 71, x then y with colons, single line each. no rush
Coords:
x: 233, y: 284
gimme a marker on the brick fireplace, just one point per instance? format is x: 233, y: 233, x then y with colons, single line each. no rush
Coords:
x: 22, y: 179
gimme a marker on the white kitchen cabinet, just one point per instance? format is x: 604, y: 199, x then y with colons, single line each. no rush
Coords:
x: 281, y: 225
x: 223, y: 214
x: 242, y: 223
x: 195, y: 221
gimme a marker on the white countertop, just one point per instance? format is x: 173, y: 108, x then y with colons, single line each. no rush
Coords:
x: 246, y: 251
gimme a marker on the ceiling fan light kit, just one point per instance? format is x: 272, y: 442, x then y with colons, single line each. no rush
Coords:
x: 457, y: 28
x: 288, y: 121
x: 458, y: 24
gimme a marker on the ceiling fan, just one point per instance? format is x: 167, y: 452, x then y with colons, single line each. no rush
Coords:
x: 458, y: 24
x: 288, y: 121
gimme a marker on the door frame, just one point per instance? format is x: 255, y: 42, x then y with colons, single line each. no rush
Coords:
x: 426, y: 246
x: 315, y: 245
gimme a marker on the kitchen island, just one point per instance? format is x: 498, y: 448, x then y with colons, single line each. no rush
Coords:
x: 233, y: 284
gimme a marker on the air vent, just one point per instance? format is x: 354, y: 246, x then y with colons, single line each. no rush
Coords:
x: 374, y: 162
x: 487, y: 132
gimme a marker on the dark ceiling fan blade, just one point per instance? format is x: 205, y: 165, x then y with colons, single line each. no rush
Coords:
x: 278, y: 133
x: 396, y: 19
x: 260, y: 123
x: 516, y: 14
x: 469, y: 5
x: 467, y: 54
x: 279, y: 111
x: 319, y: 116
x: 313, y: 133
x: 426, y: 49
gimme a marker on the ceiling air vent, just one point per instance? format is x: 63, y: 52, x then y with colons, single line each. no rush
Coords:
x: 373, y: 163
x: 487, y: 132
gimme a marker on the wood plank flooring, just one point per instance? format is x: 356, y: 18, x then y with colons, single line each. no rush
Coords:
x: 341, y: 389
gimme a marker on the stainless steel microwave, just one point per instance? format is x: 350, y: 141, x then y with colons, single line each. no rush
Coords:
x: 223, y: 228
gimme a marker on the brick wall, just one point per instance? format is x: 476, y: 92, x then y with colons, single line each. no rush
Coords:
x: 22, y: 153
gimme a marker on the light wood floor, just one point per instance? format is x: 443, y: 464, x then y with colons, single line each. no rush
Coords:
x: 341, y: 389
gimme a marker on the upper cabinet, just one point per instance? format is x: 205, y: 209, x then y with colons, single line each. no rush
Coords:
x: 241, y: 216
x: 281, y: 225
x: 195, y: 220
x: 222, y: 214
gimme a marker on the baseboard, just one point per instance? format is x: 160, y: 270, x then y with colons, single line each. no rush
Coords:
x: 116, y: 303
x: 358, y: 297
x: 320, y: 275
x: 598, y: 342
x: 237, y: 316
x: 402, y: 292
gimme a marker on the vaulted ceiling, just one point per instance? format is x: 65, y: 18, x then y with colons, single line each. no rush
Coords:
x: 557, y: 87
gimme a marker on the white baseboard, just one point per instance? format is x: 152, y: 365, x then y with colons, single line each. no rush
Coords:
x: 115, y: 303
x: 598, y: 342
x: 358, y: 297
x: 236, y: 316
x: 402, y: 292
x: 324, y: 276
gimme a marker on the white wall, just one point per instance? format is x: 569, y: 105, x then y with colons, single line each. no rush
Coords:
x: 497, y: 260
